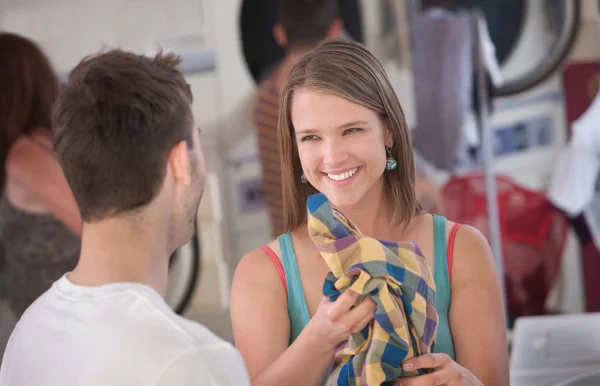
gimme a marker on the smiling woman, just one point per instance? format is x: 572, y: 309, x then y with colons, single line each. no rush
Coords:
x: 337, y: 152
x: 355, y: 117
x: 343, y: 133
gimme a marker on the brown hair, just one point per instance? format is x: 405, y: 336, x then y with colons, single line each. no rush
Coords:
x: 28, y: 87
x: 346, y: 69
x: 425, y: 4
x: 306, y: 22
x: 115, y: 123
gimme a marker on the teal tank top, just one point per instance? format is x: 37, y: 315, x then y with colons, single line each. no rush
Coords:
x: 298, y: 310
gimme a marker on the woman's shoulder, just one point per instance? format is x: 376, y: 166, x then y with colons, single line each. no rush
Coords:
x: 449, y: 224
x: 260, y: 260
x: 466, y: 236
x: 296, y: 240
x: 41, y: 137
x: 257, y: 272
x: 467, y: 240
x: 39, y: 141
x: 472, y: 255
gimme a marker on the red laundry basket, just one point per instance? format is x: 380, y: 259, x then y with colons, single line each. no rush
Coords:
x: 533, y: 235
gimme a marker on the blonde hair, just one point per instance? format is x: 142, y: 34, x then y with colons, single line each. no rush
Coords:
x: 348, y: 70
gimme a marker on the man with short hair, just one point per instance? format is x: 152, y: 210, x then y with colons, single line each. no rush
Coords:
x: 125, y: 136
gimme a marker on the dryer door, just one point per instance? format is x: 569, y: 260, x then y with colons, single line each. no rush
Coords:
x: 184, y: 273
x: 257, y: 19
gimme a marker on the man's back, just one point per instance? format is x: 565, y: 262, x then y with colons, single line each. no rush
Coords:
x: 265, y: 116
x: 116, y: 334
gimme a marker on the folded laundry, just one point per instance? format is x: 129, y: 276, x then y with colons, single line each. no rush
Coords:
x: 396, y: 276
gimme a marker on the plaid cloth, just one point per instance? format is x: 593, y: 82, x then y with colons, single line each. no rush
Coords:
x: 396, y: 276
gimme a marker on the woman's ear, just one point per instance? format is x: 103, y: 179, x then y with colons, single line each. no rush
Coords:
x: 389, y: 137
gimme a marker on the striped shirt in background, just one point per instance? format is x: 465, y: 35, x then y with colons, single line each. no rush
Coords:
x: 265, y: 117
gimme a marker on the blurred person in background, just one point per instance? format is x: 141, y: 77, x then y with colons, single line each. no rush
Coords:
x: 40, y: 224
x: 301, y: 25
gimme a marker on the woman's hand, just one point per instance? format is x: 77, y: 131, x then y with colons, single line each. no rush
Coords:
x: 445, y: 372
x: 334, y: 322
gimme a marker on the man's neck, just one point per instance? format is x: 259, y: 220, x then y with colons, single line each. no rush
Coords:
x: 121, y: 251
x: 289, y: 61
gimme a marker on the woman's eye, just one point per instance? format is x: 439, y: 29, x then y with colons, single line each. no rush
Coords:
x: 309, y: 138
x: 352, y: 130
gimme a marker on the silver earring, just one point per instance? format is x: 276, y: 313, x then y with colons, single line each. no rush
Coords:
x: 391, y: 161
x: 303, y: 179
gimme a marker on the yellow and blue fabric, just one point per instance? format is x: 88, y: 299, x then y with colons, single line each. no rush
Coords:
x: 398, y: 279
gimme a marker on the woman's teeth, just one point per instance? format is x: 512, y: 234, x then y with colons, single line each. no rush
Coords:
x: 342, y: 176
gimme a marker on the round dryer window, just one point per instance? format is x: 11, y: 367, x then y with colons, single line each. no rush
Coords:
x: 504, y: 20
x: 257, y: 19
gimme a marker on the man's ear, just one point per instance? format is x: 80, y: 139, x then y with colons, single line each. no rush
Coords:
x: 280, y: 35
x: 336, y: 30
x: 179, y: 163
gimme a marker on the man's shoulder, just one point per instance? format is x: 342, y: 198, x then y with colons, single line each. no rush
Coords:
x: 266, y: 93
x: 126, y: 322
x: 209, y: 358
x: 167, y: 327
x: 221, y: 364
x: 198, y: 333
x: 267, y: 83
x: 130, y: 311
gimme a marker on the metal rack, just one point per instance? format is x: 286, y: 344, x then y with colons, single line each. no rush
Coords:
x: 558, y: 54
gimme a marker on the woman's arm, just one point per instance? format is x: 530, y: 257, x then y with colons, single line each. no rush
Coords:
x: 261, y: 329
x: 477, y: 322
x: 477, y: 313
x: 34, y: 166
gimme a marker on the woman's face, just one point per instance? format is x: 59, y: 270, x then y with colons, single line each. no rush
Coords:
x: 341, y: 146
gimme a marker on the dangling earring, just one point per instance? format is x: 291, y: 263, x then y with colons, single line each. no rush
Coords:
x: 391, y: 161
x: 303, y: 179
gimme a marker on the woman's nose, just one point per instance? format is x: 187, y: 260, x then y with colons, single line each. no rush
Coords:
x: 335, y: 153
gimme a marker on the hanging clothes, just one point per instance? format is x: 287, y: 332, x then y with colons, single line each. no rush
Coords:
x: 573, y: 184
x: 574, y: 190
x: 446, y: 131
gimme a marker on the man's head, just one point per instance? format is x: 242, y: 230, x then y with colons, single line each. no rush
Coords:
x: 301, y: 24
x: 125, y: 136
x: 426, y: 4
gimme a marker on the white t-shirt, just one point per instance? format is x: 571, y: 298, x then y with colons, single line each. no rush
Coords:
x: 112, y: 335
